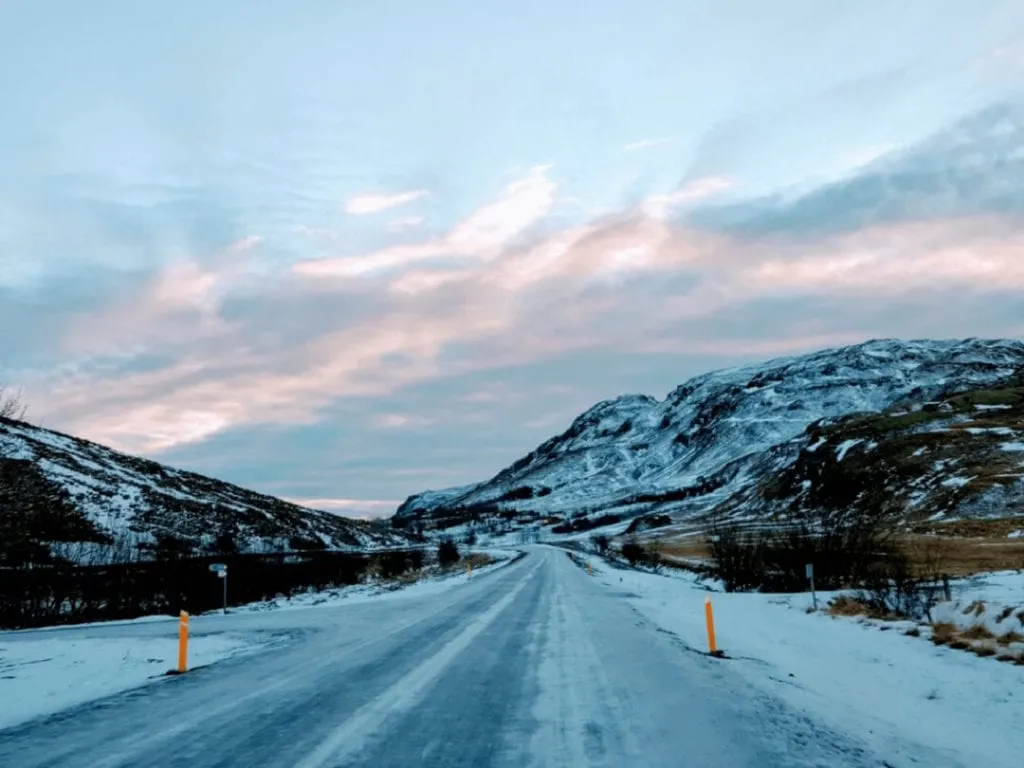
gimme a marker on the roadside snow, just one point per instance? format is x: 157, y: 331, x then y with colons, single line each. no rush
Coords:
x: 45, y: 675
x: 899, y: 692
x: 428, y: 584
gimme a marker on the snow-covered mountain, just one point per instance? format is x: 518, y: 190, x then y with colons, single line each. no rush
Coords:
x: 88, y: 503
x: 715, y: 437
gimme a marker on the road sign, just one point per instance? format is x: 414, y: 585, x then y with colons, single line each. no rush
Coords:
x: 809, y: 570
x: 222, y: 573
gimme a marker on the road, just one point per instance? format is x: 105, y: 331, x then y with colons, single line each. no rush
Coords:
x: 533, y: 664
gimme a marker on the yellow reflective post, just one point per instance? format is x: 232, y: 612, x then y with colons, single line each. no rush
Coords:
x: 710, y: 618
x: 183, y: 641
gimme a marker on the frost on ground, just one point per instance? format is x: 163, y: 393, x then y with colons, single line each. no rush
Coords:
x: 895, y: 690
x: 52, y: 673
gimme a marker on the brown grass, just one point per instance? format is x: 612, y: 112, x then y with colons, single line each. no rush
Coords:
x: 1010, y: 637
x: 476, y: 559
x: 692, y: 547
x: 977, y: 632
x: 983, y: 650
x: 949, y: 550
x: 977, y: 607
x: 965, y: 556
x: 943, y: 633
x: 844, y: 605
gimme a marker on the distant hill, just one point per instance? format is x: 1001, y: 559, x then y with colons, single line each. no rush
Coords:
x: 80, y: 501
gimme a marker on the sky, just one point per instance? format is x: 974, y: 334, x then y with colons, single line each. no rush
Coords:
x: 347, y: 251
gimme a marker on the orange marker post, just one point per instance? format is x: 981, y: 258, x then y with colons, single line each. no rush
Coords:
x: 710, y: 617
x: 183, y: 641
x: 469, y: 571
x: 590, y: 568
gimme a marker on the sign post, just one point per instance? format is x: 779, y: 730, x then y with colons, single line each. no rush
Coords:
x: 222, y: 572
x: 809, y: 569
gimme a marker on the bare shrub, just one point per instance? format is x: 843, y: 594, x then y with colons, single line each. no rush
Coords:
x: 12, y: 404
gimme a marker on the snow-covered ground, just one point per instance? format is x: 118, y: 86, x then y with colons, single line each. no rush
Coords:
x: 896, y: 690
x: 43, y: 671
x: 55, y: 672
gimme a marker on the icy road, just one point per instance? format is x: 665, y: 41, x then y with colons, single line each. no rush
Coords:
x: 533, y: 664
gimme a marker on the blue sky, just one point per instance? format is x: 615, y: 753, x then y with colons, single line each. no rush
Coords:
x: 347, y: 251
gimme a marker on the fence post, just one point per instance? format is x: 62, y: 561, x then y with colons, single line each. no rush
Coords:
x: 183, y: 641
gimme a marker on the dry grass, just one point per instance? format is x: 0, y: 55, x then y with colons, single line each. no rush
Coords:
x: 977, y: 607
x: 977, y: 632
x: 943, y: 633
x: 963, y: 556
x: 692, y: 547
x: 475, y: 559
x: 978, y: 641
x: 958, y: 549
x: 844, y: 605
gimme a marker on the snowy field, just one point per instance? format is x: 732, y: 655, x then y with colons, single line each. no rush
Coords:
x: 860, y: 676
x: 43, y: 671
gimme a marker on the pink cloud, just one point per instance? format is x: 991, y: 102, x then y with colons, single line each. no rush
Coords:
x: 517, y: 299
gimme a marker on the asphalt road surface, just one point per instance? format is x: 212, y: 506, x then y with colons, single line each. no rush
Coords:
x: 533, y: 664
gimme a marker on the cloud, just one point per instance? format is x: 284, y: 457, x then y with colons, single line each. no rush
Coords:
x: 660, y: 206
x: 646, y: 144
x: 217, y: 342
x: 481, y: 235
x: 410, y: 222
x: 400, y: 420
x: 356, y: 508
x: 374, y: 203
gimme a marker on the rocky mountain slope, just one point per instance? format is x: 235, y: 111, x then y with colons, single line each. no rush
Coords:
x: 719, y: 437
x: 961, y: 455
x: 86, y: 503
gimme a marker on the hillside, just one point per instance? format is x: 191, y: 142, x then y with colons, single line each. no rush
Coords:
x: 88, y: 503
x: 716, y: 438
x: 958, y: 456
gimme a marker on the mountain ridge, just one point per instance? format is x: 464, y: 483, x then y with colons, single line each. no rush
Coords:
x: 715, y: 434
x: 67, y: 497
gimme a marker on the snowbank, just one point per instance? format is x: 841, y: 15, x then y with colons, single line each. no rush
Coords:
x: 43, y: 675
x: 431, y: 582
x: 902, y: 694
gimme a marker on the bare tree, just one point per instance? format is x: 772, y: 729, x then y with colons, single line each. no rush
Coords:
x: 12, y: 404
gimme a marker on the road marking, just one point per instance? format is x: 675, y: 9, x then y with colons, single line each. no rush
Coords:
x: 350, y: 737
